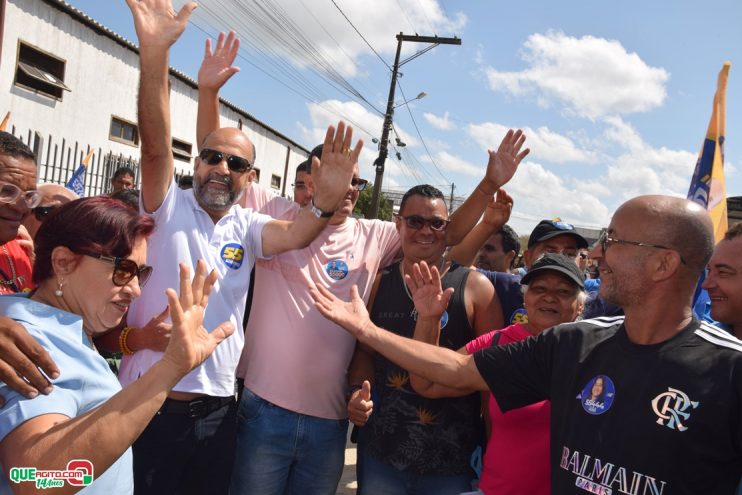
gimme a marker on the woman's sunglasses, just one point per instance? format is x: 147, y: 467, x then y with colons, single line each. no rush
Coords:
x: 41, y: 212
x: 234, y: 163
x: 124, y: 270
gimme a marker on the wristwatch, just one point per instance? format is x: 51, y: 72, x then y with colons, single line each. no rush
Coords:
x: 319, y: 213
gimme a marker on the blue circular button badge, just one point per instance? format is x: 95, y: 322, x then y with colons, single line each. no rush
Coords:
x: 444, y: 319
x: 598, y: 394
x: 337, y: 269
x: 232, y: 255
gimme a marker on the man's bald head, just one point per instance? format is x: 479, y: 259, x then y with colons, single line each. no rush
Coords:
x: 56, y: 193
x: 676, y: 223
x: 52, y: 197
x: 233, y: 136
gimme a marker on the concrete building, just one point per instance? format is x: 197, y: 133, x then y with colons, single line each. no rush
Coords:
x: 70, y: 85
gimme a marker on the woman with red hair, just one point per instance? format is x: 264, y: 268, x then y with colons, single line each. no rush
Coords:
x: 90, y: 265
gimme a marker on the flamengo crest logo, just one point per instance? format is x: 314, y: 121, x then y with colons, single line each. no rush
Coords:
x: 672, y: 408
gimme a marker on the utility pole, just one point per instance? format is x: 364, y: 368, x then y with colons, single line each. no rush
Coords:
x: 450, y: 202
x: 387, y: 127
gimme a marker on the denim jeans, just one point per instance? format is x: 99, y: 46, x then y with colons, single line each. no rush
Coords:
x: 283, y: 452
x: 179, y: 455
x: 378, y: 478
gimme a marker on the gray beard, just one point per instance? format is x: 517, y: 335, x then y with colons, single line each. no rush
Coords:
x: 215, y: 199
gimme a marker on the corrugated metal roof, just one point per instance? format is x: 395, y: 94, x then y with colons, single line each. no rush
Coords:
x: 104, y: 31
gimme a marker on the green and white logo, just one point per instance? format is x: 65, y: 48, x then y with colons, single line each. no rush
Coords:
x: 79, y: 472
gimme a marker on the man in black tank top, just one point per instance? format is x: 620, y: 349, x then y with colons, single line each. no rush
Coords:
x: 415, y: 444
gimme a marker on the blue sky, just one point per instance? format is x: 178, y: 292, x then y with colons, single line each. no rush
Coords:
x: 615, y: 97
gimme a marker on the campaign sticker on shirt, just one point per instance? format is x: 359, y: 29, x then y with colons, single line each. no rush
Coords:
x: 232, y: 255
x: 519, y: 316
x: 597, y: 396
x: 444, y: 319
x: 337, y: 269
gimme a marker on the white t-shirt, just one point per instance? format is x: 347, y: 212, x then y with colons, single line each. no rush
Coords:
x: 185, y: 233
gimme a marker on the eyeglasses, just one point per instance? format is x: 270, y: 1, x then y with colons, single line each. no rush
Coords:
x: 606, y: 241
x: 358, y: 183
x: 234, y: 163
x: 9, y: 193
x: 416, y: 222
x: 124, y: 270
x: 41, y: 212
x: 299, y: 185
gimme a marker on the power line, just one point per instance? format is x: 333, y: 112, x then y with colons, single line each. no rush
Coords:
x: 359, y: 34
x: 420, y: 135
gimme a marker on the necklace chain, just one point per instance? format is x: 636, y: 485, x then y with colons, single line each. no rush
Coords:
x: 14, y: 278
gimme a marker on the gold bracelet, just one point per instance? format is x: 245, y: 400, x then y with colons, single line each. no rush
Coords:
x: 122, y: 341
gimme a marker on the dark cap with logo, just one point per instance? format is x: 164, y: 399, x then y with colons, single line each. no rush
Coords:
x: 547, y: 229
x: 557, y: 263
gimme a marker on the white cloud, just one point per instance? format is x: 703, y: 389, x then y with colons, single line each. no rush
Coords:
x: 590, y: 76
x: 452, y: 163
x: 294, y: 26
x: 326, y: 113
x: 441, y: 123
x: 540, y: 193
x: 544, y: 143
x: 642, y: 169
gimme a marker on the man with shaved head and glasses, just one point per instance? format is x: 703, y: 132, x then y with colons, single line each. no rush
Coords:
x: 669, y: 420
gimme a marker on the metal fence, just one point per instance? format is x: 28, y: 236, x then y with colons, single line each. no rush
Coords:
x: 58, y: 159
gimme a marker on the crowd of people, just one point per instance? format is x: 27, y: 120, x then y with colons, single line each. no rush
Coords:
x: 460, y: 371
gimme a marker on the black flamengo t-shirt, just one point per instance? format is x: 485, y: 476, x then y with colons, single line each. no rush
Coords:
x: 627, y: 418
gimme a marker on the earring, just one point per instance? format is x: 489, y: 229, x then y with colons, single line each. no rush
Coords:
x: 59, y: 292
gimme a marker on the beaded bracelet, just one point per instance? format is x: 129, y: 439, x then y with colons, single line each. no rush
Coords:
x: 122, y: 341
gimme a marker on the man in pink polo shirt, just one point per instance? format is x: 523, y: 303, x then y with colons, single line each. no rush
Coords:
x: 292, y: 419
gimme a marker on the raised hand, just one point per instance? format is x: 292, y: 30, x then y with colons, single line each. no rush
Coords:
x: 190, y: 343
x: 498, y: 210
x: 360, y: 405
x: 332, y: 174
x: 425, y: 287
x: 157, y: 23
x: 155, y: 335
x: 504, y: 162
x: 352, y: 315
x: 217, y: 68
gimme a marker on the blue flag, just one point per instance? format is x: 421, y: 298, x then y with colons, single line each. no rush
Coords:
x: 708, y: 187
x: 77, y: 182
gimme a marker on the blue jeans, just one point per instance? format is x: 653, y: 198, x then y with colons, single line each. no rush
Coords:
x: 283, y: 452
x: 379, y: 478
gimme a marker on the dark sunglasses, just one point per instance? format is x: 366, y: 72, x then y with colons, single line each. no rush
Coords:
x: 125, y: 270
x: 416, y: 222
x: 358, y: 183
x: 234, y: 163
x: 41, y: 212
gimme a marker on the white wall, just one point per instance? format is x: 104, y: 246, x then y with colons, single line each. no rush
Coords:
x: 103, y: 77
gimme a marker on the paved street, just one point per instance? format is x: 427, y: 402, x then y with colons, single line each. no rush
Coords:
x: 348, y: 483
